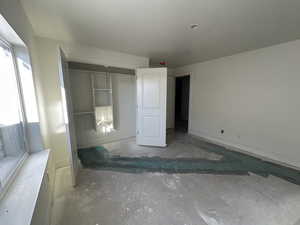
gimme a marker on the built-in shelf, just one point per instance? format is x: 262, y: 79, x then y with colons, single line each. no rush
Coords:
x: 90, y: 90
x: 82, y: 113
x: 102, y: 105
x: 97, y: 89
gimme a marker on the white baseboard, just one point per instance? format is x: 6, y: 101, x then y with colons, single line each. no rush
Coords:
x: 240, y: 148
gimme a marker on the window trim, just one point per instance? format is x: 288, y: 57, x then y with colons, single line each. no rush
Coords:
x: 12, y: 175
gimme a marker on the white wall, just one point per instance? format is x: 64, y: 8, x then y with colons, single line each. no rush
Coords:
x: 254, y: 97
x: 48, y: 52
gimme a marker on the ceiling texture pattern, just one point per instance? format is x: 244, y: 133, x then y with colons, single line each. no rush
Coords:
x: 160, y: 29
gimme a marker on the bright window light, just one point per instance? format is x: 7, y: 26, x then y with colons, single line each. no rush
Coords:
x: 9, y: 99
x: 12, y: 132
x: 28, y: 90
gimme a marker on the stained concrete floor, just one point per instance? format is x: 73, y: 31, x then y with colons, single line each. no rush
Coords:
x: 113, y: 198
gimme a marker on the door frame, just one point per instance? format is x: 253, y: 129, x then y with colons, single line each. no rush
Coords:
x: 190, y: 96
x: 67, y: 113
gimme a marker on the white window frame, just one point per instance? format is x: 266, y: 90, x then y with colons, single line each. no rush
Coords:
x: 11, y: 176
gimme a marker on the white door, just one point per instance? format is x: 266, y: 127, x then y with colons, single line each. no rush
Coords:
x: 68, y: 115
x: 151, y: 106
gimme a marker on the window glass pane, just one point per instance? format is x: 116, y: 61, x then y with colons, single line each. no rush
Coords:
x: 12, y: 139
x: 27, y: 83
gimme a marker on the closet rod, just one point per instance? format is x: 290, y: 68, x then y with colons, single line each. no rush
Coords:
x: 95, y: 72
x: 98, y: 68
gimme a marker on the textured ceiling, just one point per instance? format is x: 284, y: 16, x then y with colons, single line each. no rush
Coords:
x: 159, y: 29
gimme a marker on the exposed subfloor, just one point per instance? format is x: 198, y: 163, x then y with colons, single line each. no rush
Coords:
x: 118, y: 198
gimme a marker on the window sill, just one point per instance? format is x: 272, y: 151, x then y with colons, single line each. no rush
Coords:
x: 7, y: 165
x: 18, y: 203
x: 9, y: 168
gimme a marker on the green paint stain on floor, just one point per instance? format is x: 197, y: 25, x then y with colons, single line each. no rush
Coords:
x: 231, y: 163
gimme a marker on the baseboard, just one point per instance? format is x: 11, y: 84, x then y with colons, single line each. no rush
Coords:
x: 240, y: 148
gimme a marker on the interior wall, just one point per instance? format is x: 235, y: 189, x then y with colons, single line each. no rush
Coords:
x: 49, y: 66
x: 253, y: 97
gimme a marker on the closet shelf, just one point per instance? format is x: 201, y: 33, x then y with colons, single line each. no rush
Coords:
x: 104, y: 105
x: 97, y: 89
x: 82, y: 113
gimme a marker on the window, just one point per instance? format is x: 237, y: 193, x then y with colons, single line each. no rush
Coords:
x: 13, y: 144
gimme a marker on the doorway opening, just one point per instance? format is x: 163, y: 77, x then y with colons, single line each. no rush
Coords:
x: 182, y: 96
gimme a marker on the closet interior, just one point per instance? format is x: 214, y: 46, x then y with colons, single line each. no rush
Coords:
x: 92, y: 94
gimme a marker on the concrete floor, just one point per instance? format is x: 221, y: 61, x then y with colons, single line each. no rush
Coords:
x: 113, y: 198
x: 178, y: 147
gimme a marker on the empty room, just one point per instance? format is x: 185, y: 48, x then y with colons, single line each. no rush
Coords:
x: 162, y: 112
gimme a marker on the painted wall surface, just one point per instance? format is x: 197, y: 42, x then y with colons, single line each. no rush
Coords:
x: 254, y: 97
x: 48, y: 52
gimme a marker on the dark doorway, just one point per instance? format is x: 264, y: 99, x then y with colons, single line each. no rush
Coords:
x: 182, y: 95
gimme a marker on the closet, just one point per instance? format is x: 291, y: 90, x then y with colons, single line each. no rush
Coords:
x: 94, y: 88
